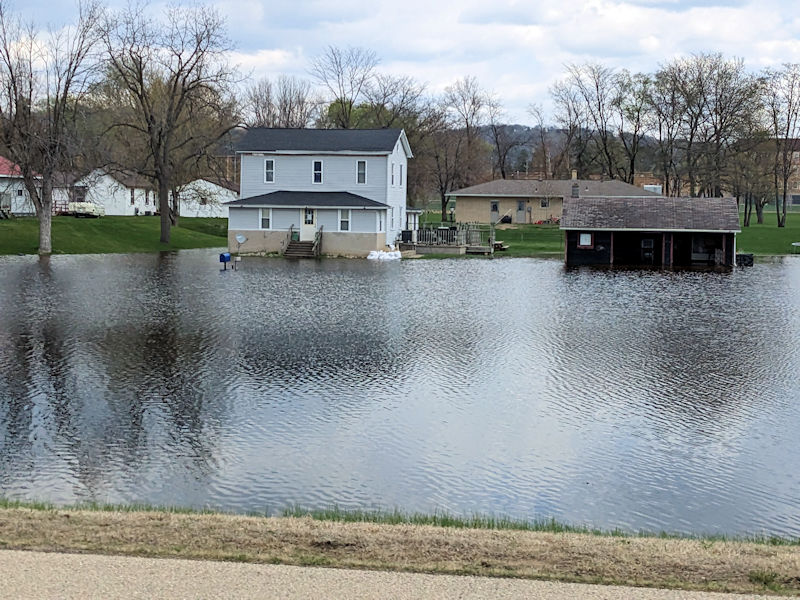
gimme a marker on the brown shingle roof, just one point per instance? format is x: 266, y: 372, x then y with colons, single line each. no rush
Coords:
x: 551, y: 187
x: 657, y: 213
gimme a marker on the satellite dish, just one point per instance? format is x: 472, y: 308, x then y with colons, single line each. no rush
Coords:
x: 240, y: 238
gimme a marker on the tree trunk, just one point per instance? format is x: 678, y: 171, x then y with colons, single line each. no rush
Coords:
x: 175, y: 210
x: 444, y: 208
x: 45, y: 224
x: 163, y: 208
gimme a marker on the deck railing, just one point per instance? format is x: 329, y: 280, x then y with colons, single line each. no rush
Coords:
x: 456, y: 235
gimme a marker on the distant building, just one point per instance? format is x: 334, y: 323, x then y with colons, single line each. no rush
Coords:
x: 650, y: 231
x: 14, y: 196
x: 530, y: 201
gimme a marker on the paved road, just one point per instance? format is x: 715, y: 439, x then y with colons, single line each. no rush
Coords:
x: 36, y: 575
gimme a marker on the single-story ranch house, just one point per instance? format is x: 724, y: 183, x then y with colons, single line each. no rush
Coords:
x: 342, y: 190
x: 524, y: 201
x: 650, y: 231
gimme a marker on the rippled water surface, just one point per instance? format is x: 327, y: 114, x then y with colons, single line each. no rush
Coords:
x: 640, y: 400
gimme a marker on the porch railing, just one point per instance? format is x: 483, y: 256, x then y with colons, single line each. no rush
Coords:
x: 288, y: 240
x: 318, y: 242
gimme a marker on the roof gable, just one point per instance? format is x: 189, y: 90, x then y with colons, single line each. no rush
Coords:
x: 264, y: 139
x: 657, y: 213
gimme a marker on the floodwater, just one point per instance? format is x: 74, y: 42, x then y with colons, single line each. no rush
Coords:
x: 632, y: 399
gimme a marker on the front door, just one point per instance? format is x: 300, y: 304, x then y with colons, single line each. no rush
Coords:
x: 521, y: 212
x: 309, y: 226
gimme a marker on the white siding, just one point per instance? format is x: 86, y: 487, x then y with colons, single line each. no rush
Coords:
x: 294, y: 173
x: 363, y: 221
x: 115, y: 197
x: 202, y: 198
x: 329, y: 219
x: 396, y: 194
x: 283, y: 218
x: 244, y: 218
x: 10, y: 196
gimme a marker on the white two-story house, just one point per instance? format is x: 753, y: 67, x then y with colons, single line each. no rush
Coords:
x: 348, y: 184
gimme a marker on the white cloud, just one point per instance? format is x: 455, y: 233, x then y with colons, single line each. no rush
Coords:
x: 516, y: 48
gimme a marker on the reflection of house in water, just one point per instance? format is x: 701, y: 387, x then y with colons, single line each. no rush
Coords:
x: 650, y: 231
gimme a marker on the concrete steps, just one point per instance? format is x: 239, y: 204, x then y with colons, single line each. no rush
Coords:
x: 299, y: 250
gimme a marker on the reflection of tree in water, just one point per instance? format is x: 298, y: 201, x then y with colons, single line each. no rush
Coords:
x: 105, y: 405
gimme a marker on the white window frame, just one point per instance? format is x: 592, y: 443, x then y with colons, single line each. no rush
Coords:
x: 400, y: 183
x: 582, y: 240
x: 380, y: 221
x: 269, y: 160
x: 314, y: 172
x: 268, y: 211
x: 392, y: 173
x: 342, y: 213
x: 358, y: 162
x: 312, y: 212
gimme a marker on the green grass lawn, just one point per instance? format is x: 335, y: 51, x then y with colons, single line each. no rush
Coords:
x: 531, y: 240
x: 769, y: 238
x: 111, y: 235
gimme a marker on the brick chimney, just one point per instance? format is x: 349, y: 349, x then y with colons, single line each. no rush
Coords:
x: 574, y: 174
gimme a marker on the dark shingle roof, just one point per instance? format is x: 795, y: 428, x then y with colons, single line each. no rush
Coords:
x: 551, y: 187
x: 656, y: 213
x: 310, y: 199
x: 263, y: 139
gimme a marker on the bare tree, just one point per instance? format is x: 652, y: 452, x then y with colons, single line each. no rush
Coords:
x: 466, y: 102
x: 503, y: 139
x: 630, y: 102
x: 289, y: 102
x: 596, y: 84
x: 42, y: 86
x: 783, y: 106
x: 393, y: 100
x: 665, y: 117
x: 172, y: 75
x: 570, y: 116
x: 345, y: 74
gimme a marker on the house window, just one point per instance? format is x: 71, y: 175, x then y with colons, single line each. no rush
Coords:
x: 392, y: 173
x: 521, y: 205
x: 146, y: 197
x: 269, y: 170
x: 361, y: 171
x: 495, y: 207
x: 78, y: 193
x: 317, y: 171
x: 344, y: 220
x: 401, y: 176
x: 132, y: 198
x: 308, y: 217
x: 545, y: 203
x: 266, y: 218
x: 19, y: 192
x: 393, y: 217
x: 586, y: 240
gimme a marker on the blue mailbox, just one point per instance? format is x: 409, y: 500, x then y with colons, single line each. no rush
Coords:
x: 225, y: 258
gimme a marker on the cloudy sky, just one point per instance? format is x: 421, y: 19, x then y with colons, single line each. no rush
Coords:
x: 516, y: 49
